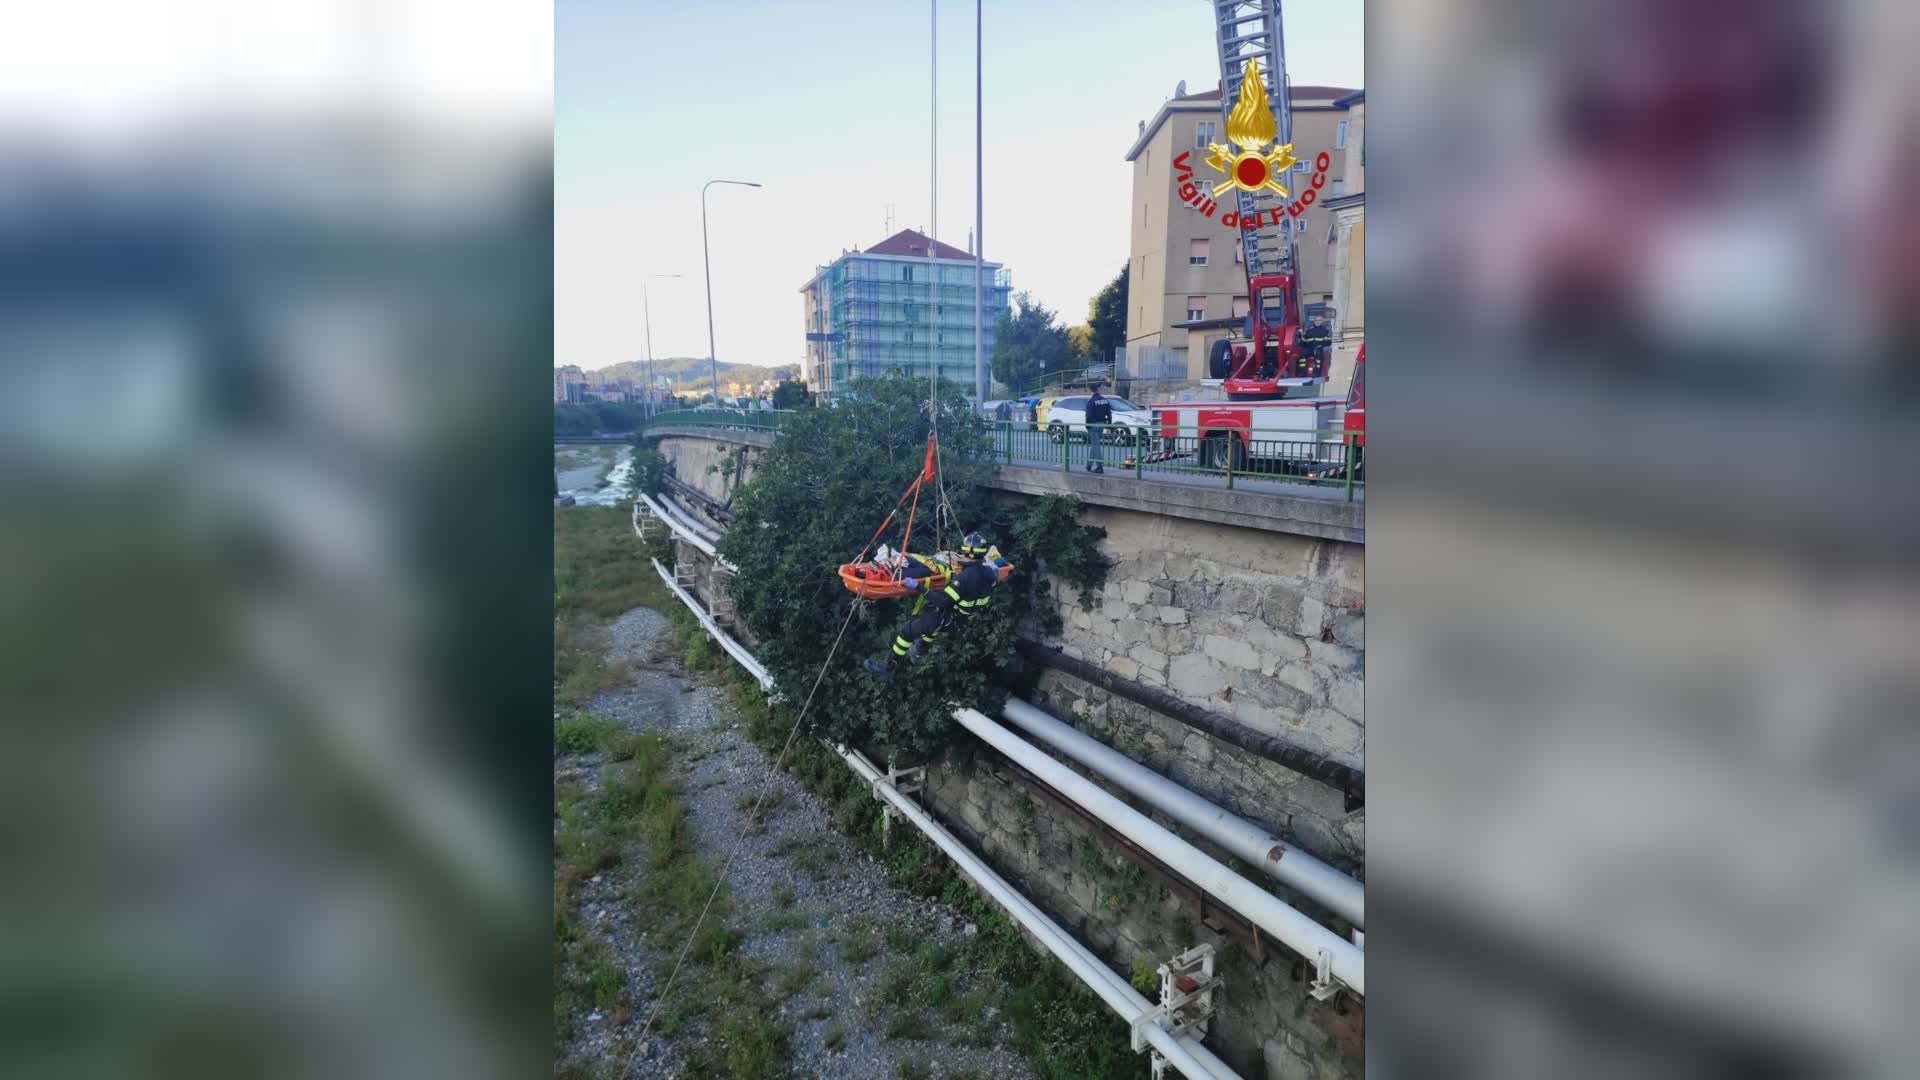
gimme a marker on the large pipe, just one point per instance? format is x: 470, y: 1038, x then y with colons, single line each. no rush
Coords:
x: 1184, y: 1052
x: 1285, y: 923
x: 1305, y: 762
x: 684, y: 530
x: 734, y: 649
x: 1342, y: 894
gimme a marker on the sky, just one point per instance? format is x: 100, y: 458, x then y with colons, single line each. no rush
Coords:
x: 827, y: 104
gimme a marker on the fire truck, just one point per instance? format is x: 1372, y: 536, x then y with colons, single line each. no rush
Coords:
x: 1291, y: 436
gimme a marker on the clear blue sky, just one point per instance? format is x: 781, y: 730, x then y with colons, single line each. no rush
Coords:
x: 827, y: 104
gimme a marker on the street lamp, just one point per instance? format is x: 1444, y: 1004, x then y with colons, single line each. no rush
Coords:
x: 646, y: 317
x: 707, y: 259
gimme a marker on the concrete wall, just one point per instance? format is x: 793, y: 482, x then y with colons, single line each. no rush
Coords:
x: 714, y: 465
x: 1267, y: 628
x: 1266, y: 1024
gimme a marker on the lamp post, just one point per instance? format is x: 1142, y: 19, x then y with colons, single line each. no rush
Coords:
x: 706, y: 258
x: 646, y: 319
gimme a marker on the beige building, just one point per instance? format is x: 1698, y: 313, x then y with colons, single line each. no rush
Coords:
x: 1188, y: 282
x: 1349, y: 262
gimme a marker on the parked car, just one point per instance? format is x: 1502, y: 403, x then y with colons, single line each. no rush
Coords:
x: 1067, y: 416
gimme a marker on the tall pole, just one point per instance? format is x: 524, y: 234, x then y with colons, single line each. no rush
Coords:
x: 979, y: 228
x: 706, y: 258
x: 646, y: 319
x: 933, y: 268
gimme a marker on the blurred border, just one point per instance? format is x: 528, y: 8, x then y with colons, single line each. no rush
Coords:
x: 275, y: 336
x: 1641, y: 551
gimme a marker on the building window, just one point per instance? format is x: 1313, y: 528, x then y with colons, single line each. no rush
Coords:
x: 1300, y: 166
x: 1239, y: 255
x: 1143, y: 215
x: 906, y: 273
x: 1241, y: 307
x: 1340, y: 136
x: 1339, y: 188
x: 1196, y: 308
x: 1197, y: 252
x: 1202, y: 134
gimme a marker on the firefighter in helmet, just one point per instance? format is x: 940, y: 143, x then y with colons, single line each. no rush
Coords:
x: 965, y: 598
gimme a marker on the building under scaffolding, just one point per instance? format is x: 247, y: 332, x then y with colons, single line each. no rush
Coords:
x: 891, y: 308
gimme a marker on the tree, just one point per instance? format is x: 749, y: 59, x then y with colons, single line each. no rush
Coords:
x: 1029, y: 345
x: 1080, y: 344
x: 815, y: 499
x: 790, y: 395
x: 1107, y: 319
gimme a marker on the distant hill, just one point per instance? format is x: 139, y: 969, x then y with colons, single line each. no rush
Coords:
x: 693, y: 373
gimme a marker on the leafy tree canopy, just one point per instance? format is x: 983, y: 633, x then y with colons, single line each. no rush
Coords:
x: 1029, y: 346
x: 790, y: 395
x: 1080, y: 344
x: 815, y: 500
x: 1107, y: 319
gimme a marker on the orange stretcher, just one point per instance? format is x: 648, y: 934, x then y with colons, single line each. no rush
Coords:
x: 874, y: 581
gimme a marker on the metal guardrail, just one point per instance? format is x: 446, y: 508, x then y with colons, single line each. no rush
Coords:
x: 1325, y: 459
x: 1330, y: 458
x: 754, y: 419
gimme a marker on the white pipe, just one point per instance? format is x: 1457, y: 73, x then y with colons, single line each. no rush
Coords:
x: 711, y: 534
x: 734, y: 649
x: 1184, y: 1052
x: 1284, y: 922
x: 1286, y: 863
x: 685, y: 531
x: 694, y: 525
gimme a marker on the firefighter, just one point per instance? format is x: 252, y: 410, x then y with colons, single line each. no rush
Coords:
x: 965, y: 598
x: 1314, y: 342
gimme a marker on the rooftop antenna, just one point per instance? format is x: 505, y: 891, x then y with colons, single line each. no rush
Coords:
x: 889, y: 229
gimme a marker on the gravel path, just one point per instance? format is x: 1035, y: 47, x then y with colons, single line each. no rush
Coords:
x: 811, y: 903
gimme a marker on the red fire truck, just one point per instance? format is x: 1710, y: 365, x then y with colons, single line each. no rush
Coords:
x: 1290, y: 436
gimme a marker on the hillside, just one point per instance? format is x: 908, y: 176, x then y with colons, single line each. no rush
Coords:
x: 692, y: 372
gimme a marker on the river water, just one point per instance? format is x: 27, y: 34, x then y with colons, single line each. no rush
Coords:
x: 582, y: 480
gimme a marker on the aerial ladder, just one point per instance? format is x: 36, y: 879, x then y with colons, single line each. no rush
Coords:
x: 1266, y: 360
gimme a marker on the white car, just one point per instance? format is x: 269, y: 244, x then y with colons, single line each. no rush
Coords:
x: 1068, y: 416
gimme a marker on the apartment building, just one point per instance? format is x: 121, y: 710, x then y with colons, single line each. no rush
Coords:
x: 1188, y: 282
x: 893, y: 307
x: 1349, y: 264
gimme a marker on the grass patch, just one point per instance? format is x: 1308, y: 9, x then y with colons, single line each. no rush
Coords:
x: 581, y: 732
x: 783, y: 895
x: 836, y: 1037
x: 912, y: 1069
x: 908, y: 1024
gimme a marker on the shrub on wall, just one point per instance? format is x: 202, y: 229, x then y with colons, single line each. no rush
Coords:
x: 815, y: 500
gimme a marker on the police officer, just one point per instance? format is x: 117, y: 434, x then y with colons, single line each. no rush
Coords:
x: 965, y: 598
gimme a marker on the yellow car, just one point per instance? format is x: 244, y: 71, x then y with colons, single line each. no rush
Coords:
x: 1040, y: 412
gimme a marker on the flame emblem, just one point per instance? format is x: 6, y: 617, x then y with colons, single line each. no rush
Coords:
x: 1250, y: 126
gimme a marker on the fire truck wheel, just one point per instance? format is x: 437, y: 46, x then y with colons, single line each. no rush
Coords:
x: 1213, y: 452
x: 1220, y: 359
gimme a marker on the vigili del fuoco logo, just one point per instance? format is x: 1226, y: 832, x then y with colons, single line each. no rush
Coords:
x: 1254, y: 168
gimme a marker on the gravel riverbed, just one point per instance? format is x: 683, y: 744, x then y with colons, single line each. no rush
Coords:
x: 801, y: 890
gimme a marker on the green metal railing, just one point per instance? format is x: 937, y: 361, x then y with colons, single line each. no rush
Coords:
x: 755, y: 419
x: 1326, y: 459
x: 1330, y: 458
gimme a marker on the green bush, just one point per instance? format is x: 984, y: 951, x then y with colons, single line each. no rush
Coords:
x: 581, y: 732
x: 814, y: 501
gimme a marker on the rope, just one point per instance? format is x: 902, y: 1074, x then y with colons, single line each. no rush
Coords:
x: 759, y: 803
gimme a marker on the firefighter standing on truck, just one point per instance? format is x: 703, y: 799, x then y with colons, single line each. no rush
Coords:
x: 966, y: 597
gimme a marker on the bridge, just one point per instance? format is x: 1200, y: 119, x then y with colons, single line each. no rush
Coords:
x: 1032, y: 463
